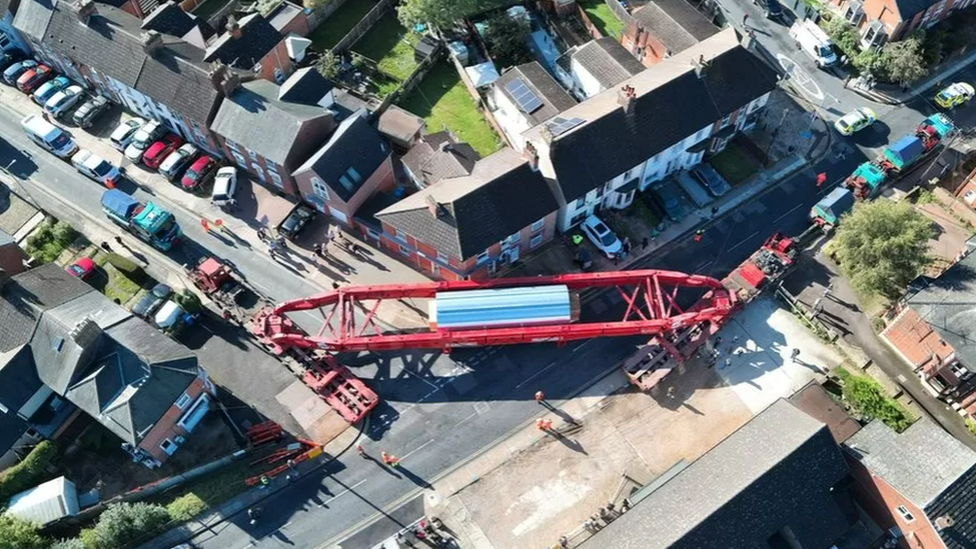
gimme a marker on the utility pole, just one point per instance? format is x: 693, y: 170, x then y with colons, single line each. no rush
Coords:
x: 772, y: 138
x: 20, y: 184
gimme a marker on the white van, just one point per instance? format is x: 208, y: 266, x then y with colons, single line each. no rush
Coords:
x: 96, y: 167
x: 814, y: 42
x: 49, y: 136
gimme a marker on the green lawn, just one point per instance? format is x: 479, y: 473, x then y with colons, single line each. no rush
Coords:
x: 339, y: 23
x: 111, y: 282
x: 443, y: 101
x: 605, y: 21
x: 390, y: 45
x: 734, y: 164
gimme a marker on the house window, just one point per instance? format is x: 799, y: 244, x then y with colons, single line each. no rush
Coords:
x: 905, y: 514
x: 434, y: 268
x: 279, y: 75
x: 183, y: 401
x: 538, y: 225
x: 350, y: 179
x: 442, y: 257
x: 252, y: 154
x: 275, y: 178
x: 482, y: 257
x: 874, y: 35
x: 536, y: 240
x: 404, y: 250
x: 725, y: 121
x: 854, y: 12
x: 232, y: 146
x: 401, y: 236
x: 168, y: 446
x: 319, y: 188
x: 580, y: 202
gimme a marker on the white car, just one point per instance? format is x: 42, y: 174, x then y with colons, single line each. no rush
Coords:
x: 224, y: 187
x: 122, y: 135
x: 144, y: 136
x: 60, y: 102
x: 601, y: 236
x: 95, y: 167
x: 177, y: 160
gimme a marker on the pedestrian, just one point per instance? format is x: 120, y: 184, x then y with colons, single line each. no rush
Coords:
x: 540, y: 397
x: 626, y: 245
x: 317, y: 249
x: 543, y: 424
x: 118, y: 239
x: 335, y: 285
x: 728, y: 362
x: 205, y: 224
x: 671, y: 391
x: 394, y: 462
x: 361, y: 450
x: 356, y: 249
x: 744, y: 19
x: 616, y: 259
x: 735, y: 338
x: 795, y: 353
x: 645, y: 243
x: 105, y: 246
x: 714, y: 211
x: 563, y: 542
x: 698, y: 235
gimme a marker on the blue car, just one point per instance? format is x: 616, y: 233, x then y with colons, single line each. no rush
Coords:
x: 49, y: 88
x: 13, y: 72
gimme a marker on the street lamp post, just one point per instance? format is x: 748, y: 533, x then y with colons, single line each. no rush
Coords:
x: 772, y: 138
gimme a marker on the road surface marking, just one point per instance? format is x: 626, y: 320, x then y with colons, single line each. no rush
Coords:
x: 743, y: 241
x: 798, y: 206
x: 417, y: 449
x: 533, y: 376
x: 798, y: 76
x: 342, y: 493
x: 584, y: 344
x: 465, y: 419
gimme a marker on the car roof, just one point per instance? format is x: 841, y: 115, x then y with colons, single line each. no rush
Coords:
x: 199, y: 163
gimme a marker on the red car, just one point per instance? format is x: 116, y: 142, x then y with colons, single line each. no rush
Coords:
x: 83, y: 268
x: 32, y: 79
x: 201, y: 172
x: 159, y: 150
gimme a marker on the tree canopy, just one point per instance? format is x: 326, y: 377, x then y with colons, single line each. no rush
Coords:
x: 19, y: 534
x: 904, y: 61
x: 883, y: 245
x: 123, y: 522
x: 508, y: 40
x: 440, y: 13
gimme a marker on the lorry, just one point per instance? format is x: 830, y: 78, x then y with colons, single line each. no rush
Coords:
x: 826, y: 213
x: 868, y: 179
x: 235, y: 300
x: 148, y: 222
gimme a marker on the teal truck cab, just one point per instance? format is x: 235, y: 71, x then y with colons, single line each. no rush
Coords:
x: 147, y: 221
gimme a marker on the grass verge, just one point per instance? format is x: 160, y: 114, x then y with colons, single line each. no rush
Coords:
x: 443, y: 102
x: 734, y: 164
x: 207, y: 492
x: 339, y: 23
x: 111, y: 282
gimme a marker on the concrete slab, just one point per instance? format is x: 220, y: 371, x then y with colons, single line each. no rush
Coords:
x: 14, y: 212
x: 304, y: 405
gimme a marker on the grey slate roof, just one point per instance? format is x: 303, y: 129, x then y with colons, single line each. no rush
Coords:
x: 305, y: 86
x: 170, y: 19
x: 908, y: 8
x: 612, y: 142
x: 110, y: 42
x: 30, y: 293
x: 608, y: 61
x: 554, y: 98
x: 284, y: 133
x: 355, y: 144
x: 958, y: 502
x: 502, y: 196
x: 777, y: 470
x: 258, y: 37
x: 438, y: 156
x: 921, y: 462
x: 675, y: 23
x: 11, y: 429
x: 18, y: 378
x: 948, y: 304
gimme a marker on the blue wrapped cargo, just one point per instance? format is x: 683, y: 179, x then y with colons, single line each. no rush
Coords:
x: 533, y: 306
x: 118, y: 206
x: 832, y: 206
x: 905, y: 151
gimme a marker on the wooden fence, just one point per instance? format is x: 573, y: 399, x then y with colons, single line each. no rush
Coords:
x: 411, y: 81
x: 590, y: 27
x: 318, y: 16
x: 620, y: 11
x: 479, y: 103
x: 363, y: 26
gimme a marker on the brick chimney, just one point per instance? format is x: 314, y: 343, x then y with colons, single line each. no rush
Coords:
x: 151, y: 42
x: 86, y: 332
x: 700, y: 65
x: 217, y: 73
x: 627, y: 98
x: 83, y: 9
x: 233, y: 27
x: 532, y: 155
x: 433, y: 206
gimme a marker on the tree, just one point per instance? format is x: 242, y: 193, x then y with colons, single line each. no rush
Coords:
x: 328, y: 65
x: 844, y: 36
x: 69, y: 543
x: 440, y: 13
x: 507, y: 39
x: 123, y: 523
x: 19, y: 534
x: 904, y: 61
x: 28, y: 473
x: 882, y: 246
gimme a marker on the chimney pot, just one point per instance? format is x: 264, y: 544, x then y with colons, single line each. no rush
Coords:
x: 627, y: 97
x: 83, y: 9
x: 85, y: 333
x: 233, y: 27
x: 151, y: 41
x: 532, y: 155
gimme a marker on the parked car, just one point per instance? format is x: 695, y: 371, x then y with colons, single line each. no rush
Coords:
x: 174, y: 163
x: 671, y: 199
x: 296, y: 220
x: 13, y: 72
x: 10, y: 58
x: 707, y: 177
x: 83, y: 268
x: 225, y: 186
x: 954, y: 94
x: 143, y: 138
x: 695, y: 190
x: 168, y: 316
x: 601, y: 236
x: 147, y: 306
x: 50, y: 88
x: 855, y: 121
x: 60, y: 103
x: 200, y: 173
x: 158, y: 151
x: 123, y: 134
x: 33, y: 78
x: 96, y: 168
x: 90, y: 110
x: 772, y: 9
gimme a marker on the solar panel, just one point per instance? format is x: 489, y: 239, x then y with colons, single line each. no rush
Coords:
x: 527, y: 101
x: 562, y: 125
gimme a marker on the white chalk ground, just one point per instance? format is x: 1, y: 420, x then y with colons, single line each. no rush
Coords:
x: 764, y: 336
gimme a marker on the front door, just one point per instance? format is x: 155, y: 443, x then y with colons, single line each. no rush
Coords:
x: 511, y: 255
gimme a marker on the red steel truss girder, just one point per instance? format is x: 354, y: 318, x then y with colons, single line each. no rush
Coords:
x: 651, y: 309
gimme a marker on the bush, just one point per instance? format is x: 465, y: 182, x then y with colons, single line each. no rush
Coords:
x: 69, y: 543
x: 50, y: 240
x: 868, y: 398
x: 28, y: 473
x: 19, y: 534
x: 186, y: 507
x: 971, y: 425
x: 123, y: 523
x: 88, y: 538
x: 189, y: 301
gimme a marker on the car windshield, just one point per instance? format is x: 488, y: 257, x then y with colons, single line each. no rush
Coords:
x: 945, y: 94
x: 219, y: 197
x: 76, y: 270
x: 192, y: 175
x: 141, y: 139
x: 825, y: 51
x: 60, y: 141
x: 165, y: 228
x: 843, y: 123
x: 608, y: 239
x: 103, y: 168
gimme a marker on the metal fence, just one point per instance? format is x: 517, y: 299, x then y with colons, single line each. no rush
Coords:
x: 363, y: 26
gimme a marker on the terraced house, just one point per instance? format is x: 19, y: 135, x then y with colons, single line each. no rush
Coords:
x: 890, y: 20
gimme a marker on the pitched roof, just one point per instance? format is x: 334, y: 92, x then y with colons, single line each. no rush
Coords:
x: 171, y: 19
x: 18, y: 378
x: 610, y: 142
x: 285, y: 13
x: 777, y: 470
x: 305, y: 86
x: 355, y: 146
x: 502, y: 196
x: 438, y: 156
x: 607, y: 61
x: 921, y: 462
x: 258, y: 37
x: 27, y: 295
x: 253, y: 113
x: 957, y: 502
x: 947, y: 305
x: 553, y: 97
x: 675, y: 23
x: 908, y: 8
x: 111, y: 42
x: 399, y: 124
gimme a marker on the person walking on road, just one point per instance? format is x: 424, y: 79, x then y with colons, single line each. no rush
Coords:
x: 361, y: 450
x: 744, y: 19
x: 390, y: 460
x: 540, y: 397
x: 795, y: 353
x: 317, y: 248
x: 645, y: 243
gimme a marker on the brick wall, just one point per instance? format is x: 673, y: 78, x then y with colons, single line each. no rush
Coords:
x: 166, y: 427
x: 242, y: 159
x: 277, y: 58
x: 382, y: 179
